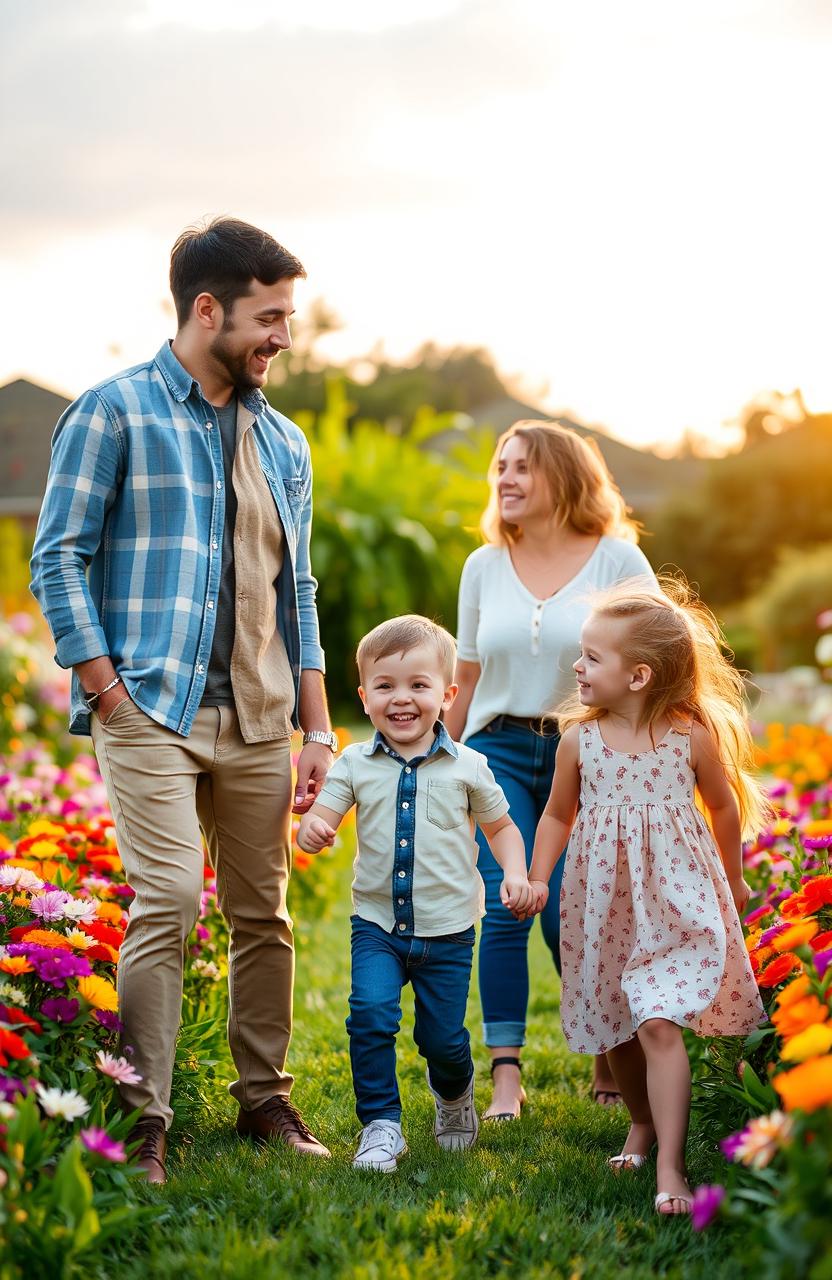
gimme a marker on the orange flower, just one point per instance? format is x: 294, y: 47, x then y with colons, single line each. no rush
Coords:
x: 100, y: 993
x: 300, y: 860
x: 818, y: 892
x: 759, y: 957
x: 799, y: 1015
x: 796, y: 907
x: 797, y: 990
x: 806, y: 1087
x: 774, y: 973
x: 16, y: 965
x: 818, y: 827
x: 797, y: 935
x: 48, y: 938
x: 109, y: 911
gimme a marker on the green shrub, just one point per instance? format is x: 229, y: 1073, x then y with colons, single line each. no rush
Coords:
x: 785, y: 611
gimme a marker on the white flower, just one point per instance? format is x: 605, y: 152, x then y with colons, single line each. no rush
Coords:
x: 80, y: 909
x: 6, y: 1111
x: 19, y: 878
x: 11, y: 995
x: 206, y: 969
x: 62, y: 1104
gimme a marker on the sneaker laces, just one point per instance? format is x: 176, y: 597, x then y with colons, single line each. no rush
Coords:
x: 454, y: 1115
x: 378, y: 1134
x: 286, y: 1117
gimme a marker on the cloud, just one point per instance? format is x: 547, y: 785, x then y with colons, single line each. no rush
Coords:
x: 107, y: 122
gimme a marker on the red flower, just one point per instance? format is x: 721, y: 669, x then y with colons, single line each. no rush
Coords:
x: 11, y: 1015
x: 104, y: 933
x: 11, y: 1045
x: 774, y: 973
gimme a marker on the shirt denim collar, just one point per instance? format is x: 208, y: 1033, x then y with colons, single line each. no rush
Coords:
x: 182, y: 383
x: 442, y: 742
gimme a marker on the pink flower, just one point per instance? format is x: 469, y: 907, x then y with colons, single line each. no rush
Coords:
x: 99, y: 1142
x: 118, y: 1069
x: 706, y: 1202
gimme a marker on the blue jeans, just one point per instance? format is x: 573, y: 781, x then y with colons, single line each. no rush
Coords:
x: 523, y: 762
x: 440, y: 970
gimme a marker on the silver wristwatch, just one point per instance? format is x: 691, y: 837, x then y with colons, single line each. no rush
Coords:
x: 326, y: 738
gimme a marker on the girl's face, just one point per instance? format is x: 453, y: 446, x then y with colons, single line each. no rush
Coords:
x: 522, y: 494
x: 604, y: 678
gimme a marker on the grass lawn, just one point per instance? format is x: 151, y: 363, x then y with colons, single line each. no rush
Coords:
x: 534, y: 1198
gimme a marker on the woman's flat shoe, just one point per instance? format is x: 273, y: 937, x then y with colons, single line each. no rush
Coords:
x: 626, y: 1162
x: 664, y: 1197
x: 501, y: 1116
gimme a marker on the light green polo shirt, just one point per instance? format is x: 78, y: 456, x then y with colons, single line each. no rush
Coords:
x: 415, y: 872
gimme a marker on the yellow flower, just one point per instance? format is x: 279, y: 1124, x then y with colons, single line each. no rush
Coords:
x: 100, y: 993
x: 807, y: 1087
x: 781, y: 827
x: 811, y: 1043
x: 80, y: 941
x: 44, y: 849
x: 43, y: 827
x: 16, y: 965
x: 818, y: 827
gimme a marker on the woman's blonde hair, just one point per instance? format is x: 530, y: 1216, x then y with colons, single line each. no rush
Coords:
x: 673, y: 633
x: 584, y: 494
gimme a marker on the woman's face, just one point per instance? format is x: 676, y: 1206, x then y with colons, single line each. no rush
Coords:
x: 522, y: 494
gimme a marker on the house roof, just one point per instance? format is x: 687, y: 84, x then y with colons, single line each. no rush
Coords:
x: 28, y: 414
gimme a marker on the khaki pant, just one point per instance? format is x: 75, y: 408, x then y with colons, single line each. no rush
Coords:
x: 162, y: 788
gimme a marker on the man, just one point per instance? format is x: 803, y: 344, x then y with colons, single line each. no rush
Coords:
x: 172, y: 564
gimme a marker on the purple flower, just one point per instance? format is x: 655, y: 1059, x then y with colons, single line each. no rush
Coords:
x: 817, y: 842
x: 778, y: 789
x: 51, y: 964
x: 60, y: 1009
x: 822, y: 959
x: 728, y: 1146
x: 99, y: 1142
x: 50, y: 905
x: 108, y: 1020
x: 10, y: 1088
x: 706, y: 1202
x: 756, y: 915
x: 767, y: 936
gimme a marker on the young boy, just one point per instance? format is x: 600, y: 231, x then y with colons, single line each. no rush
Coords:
x: 416, y: 891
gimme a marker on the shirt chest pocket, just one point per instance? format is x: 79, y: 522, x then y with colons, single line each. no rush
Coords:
x: 295, y: 487
x: 447, y: 804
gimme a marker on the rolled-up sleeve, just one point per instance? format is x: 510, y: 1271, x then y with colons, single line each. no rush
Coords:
x: 83, y: 479
x: 337, y: 792
x: 486, y: 797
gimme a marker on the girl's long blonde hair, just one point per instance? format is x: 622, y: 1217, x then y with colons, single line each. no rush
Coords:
x: 679, y: 639
x: 584, y: 494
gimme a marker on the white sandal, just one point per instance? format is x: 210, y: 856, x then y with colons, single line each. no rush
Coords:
x: 626, y: 1161
x: 664, y: 1197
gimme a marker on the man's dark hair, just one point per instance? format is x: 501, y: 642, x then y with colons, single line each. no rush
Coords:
x: 222, y: 258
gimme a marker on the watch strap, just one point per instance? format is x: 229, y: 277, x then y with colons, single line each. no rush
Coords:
x: 324, y: 736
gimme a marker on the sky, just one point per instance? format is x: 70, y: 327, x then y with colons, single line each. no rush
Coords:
x: 628, y: 204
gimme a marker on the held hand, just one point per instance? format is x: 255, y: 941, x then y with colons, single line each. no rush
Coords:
x: 516, y: 894
x: 740, y: 892
x: 315, y: 834
x: 540, y: 895
x: 314, y: 762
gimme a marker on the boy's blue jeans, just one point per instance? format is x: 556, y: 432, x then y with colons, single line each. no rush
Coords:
x: 523, y: 762
x: 440, y: 970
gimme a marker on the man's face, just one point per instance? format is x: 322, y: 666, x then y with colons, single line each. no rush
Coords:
x: 255, y: 329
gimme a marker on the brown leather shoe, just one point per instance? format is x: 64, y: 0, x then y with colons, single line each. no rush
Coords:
x: 151, y: 1154
x: 278, y: 1119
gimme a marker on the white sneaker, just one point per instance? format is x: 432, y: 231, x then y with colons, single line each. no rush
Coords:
x: 380, y: 1146
x: 456, y: 1126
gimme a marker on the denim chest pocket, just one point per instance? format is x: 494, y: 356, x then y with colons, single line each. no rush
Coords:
x: 447, y: 804
x: 295, y: 487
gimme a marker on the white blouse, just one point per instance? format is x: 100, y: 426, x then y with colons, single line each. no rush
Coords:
x: 525, y: 646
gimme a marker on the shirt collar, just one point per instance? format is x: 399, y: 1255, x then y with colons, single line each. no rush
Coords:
x: 442, y: 742
x: 182, y: 383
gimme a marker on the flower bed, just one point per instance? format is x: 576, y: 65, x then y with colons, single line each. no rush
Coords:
x: 64, y: 1165
x: 781, y: 1087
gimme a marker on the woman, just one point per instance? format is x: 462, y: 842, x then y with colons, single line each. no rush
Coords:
x: 556, y: 528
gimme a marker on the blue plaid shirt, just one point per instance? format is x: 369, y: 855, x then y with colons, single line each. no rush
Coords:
x: 128, y: 549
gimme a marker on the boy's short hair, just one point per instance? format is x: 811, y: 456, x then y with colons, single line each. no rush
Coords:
x: 400, y: 635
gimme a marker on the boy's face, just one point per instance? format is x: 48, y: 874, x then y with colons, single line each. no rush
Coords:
x: 403, y: 695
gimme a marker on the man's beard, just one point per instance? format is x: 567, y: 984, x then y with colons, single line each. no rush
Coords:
x: 235, y: 363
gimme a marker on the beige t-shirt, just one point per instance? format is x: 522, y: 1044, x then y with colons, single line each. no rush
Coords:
x: 415, y: 872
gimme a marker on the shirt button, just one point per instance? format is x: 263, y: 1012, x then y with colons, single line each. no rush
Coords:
x: 408, y: 769
x: 402, y: 926
x: 405, y: 804
x: 400, y: 901
x: 215, y: 546
x: 200, y: 667
x: 219, y: 484
x: 210, y: 604
x: 402, y: 844
x: 402, y: 875
x: 209, y: 426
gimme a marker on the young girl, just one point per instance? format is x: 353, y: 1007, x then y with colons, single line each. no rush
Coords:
x: 650, y: 935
